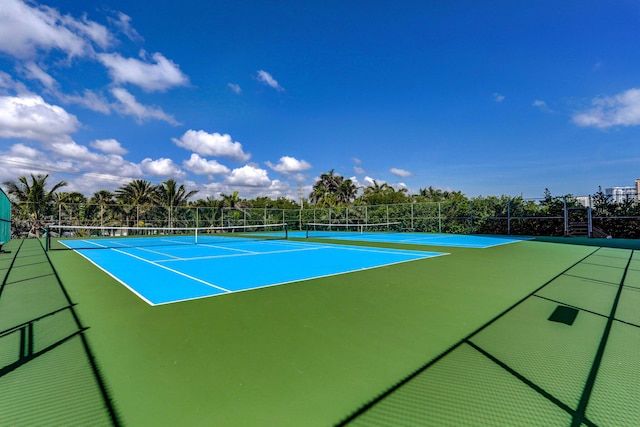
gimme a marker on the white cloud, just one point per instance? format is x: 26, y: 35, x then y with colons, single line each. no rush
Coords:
x: 357, y: 168
x: 109, y: 146
x: 160, y: 75
x: 24, y: 151
x: 9, y: 85
x: 202, y: 166
x: 129, y: 106
x: 400, y: 186
x: 235, y: 88
x: 72, y: 157
x: 273, y: 190
x: 30, y: 117
x: 542, y: 106
x: 368, y: 181
x: 114, y: 164
x: 212, y: 144
x: 498, y: 97
x: 90, y: 182
x: 123, y: 23
x: 85, y: 171
x: 72, y: 151
x: 34, y: 72
x: 619, y: 110
x: 89, y: 99
x: 400, y: 172
x: 23, y: 160
x: 27, y: 29
x: 267, y: 79
x: 250, y: 176
x: 162, y: 167
x: 91, y: 30
x: 289, y: 165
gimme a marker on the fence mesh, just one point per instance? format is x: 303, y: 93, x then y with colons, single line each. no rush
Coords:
x: 488, y: 215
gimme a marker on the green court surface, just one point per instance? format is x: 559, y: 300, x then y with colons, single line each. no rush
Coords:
x: 531, y: 333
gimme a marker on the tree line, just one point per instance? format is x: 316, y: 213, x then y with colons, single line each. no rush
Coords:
x: 35, y: 201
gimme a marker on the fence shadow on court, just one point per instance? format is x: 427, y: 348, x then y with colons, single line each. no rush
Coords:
x: 563, y: 355
x: 48, y: 375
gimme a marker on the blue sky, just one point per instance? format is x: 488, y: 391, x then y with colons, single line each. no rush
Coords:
x: 487, y: 98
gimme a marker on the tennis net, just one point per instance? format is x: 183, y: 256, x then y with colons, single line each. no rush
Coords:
x: 98, y: 237
x: 319, y: 230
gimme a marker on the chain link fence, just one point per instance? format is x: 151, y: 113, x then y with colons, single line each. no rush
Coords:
x: 491, y: 215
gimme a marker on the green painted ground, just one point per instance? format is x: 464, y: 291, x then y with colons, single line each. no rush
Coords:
x: 303, y: 354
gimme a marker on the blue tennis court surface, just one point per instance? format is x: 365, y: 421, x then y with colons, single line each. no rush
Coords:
x: 431, y: 239
x: 166, y: 274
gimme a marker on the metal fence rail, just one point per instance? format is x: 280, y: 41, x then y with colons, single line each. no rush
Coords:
x: 501, y: 216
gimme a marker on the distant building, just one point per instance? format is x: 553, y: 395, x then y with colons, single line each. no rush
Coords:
x: 584, y: 201
x: 621, y: 194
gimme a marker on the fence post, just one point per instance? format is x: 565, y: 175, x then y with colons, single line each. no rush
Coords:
x: 412, y: 227
x: 508, y: 217
x: 439, y: 218
x: 566, y: 216
x: 471, y: 215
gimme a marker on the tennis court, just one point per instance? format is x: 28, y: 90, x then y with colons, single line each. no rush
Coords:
x: 427, y: 239
x: 176, y: 271
x: 529, y: 333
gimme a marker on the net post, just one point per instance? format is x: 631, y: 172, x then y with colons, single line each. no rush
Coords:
x: 286, y: 231
x: 47, y: 238
x: 195, y: 235
x: 306, y: 226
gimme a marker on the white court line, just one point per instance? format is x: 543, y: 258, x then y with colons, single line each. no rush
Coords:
x: 117, y: 279
x: 386, y: 251
x: 124, y: 245
x: 151, y: 251
x: 419, y: 254
x: 227, y: 248
x: 424, y: 238
x: 244, y: 254
x: 172, y: 270
x: 89, y: 242
x: 438, y: 254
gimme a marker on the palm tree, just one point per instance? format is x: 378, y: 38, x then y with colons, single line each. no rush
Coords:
x: 104, y: 201
x: 210, y: 209
x: 438, y: 195
x: 332, y: 189
x: 376, y: 189
x: 136, y: 193
x: 70, y: 204
x: 347, y: 191
x: 383, y: 194
x: 170, y: 194
x: 232, y: 201
x: 33, y: 197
